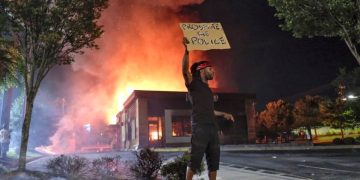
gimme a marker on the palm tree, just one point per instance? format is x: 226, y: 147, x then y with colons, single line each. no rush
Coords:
x: 8, y: 64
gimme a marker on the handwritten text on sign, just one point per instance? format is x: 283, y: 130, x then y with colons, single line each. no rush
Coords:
x: 205, y: 36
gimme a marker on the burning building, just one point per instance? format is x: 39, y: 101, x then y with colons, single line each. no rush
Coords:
x: 162, y: 119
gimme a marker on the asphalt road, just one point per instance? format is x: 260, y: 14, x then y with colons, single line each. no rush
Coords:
x: 324, y: 165
x: 309, y: 165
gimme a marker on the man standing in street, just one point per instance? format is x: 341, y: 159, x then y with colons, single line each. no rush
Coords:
x: 4, y: 141
x: 204, y: 138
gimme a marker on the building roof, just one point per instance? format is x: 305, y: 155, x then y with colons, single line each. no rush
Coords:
x: 180, y: 94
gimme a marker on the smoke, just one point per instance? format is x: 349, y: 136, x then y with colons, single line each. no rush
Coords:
x: 140, y: 49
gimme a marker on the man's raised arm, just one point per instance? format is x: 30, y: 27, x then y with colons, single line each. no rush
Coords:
x: 185, y: 64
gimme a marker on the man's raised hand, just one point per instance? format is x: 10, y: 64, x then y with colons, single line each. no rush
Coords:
x: 228, y: 116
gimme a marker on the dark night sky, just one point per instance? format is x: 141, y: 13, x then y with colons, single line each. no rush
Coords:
x: 266, y: 60
x: 263, y: 59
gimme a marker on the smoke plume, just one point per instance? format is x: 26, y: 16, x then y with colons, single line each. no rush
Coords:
x: 141, y: 49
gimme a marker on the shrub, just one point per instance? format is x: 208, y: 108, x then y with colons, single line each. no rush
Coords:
x: 147, y: 164
x: 337, y: 141
x: 3, y: 169
x: 176, y: 170
x: 74, y: 167
x: 295, y: 135
x: 260, y: 133
x: 70, y: 167
x: 357, y: 139
x: 106, y: 167
x: 349, y: 140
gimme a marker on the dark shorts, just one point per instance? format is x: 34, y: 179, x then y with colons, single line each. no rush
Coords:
x: 204, y: 139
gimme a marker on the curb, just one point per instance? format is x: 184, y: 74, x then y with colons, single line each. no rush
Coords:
x: 303, y: 148
x: 272, y: 148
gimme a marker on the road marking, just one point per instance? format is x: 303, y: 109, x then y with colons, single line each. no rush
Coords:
x: 329, y: 169
x: 263, y: 171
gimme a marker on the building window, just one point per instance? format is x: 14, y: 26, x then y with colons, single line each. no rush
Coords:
x: 155, y: 128
x: 181, y: 126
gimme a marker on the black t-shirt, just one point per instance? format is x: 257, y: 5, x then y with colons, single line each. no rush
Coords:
x: 202, y: 102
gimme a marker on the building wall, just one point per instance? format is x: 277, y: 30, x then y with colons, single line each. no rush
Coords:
x: 233, y: 132
x: 130, y: 140
x: 142, y: 123
x: 121, y: 117
x: 250, y: 117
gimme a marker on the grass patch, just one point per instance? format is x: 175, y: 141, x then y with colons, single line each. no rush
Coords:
x: 329, y: 138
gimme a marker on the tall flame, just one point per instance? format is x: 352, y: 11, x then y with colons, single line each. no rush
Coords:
x: 141, y: 49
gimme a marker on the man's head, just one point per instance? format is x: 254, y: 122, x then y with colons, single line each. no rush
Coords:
x: 202, y: 69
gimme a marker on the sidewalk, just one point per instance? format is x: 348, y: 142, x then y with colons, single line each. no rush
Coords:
x: 288, y: 147
x: 272, y: 148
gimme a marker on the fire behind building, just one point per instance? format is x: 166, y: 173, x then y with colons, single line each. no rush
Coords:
x: 162, y: 119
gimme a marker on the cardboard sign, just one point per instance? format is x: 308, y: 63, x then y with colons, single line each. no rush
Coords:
x: 205, y: 36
